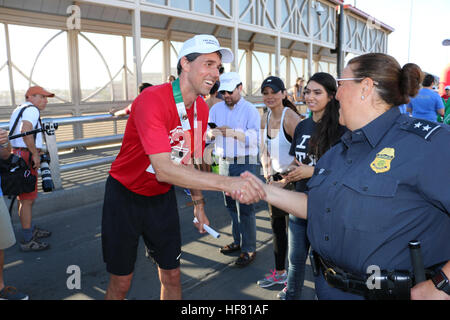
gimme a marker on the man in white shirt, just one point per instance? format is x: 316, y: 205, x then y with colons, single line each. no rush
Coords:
x: 236, y: 144
x: 29, y: 149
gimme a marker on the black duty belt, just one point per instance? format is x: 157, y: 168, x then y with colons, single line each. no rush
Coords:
x: 390, y: 285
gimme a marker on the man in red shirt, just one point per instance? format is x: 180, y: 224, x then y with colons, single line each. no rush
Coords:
x: 163, y: 134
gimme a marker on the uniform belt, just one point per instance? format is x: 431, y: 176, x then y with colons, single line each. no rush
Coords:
x: 389, y: 285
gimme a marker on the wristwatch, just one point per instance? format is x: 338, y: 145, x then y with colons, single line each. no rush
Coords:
x: 441, y: 282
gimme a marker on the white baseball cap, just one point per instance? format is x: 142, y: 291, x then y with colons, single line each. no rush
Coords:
x: 205, y: 43
x: 229, y: 81
x: 447, y: 87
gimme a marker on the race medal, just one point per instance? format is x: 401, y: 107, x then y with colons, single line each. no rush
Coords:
x: 382, y: 162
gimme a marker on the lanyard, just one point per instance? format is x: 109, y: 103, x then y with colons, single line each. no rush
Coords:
x: 182, y: 108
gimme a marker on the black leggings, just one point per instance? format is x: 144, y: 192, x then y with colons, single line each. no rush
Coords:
x: 279, y: 221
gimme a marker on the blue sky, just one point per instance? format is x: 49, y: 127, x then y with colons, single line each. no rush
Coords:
x: 430, y: 26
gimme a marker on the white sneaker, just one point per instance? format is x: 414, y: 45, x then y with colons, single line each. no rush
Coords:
x: 282, y: 294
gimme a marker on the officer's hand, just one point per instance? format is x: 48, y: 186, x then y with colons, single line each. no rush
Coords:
x: 427, y: 291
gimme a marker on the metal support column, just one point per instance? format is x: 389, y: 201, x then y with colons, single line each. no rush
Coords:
x: 10, y: 65
x: 310, y: 44
x: 235, y: 36
x: 340, y: 42
x: 75, y: 83
x: 278, y: 38
x: 136, y: 25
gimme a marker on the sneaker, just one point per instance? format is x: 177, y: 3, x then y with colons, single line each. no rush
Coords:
x: 282, y: 294
x: 39, y: 233
x: 11, y: 293
x: 272, y: 278
x: 245, y: 259
x: 34, y: 245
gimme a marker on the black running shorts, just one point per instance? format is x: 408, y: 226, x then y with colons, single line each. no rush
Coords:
x: 127, y: 216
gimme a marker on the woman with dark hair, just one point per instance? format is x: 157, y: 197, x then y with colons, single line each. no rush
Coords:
x: 312, y: 138
x: 277, y: 127
x: 381, y: 186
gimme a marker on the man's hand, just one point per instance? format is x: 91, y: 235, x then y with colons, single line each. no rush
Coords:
x: 199, y: 213
x: 3, y: 136
x: 247, y: 189
x: 5, y: 147
x: 427, y: 291
x: 36, y: 160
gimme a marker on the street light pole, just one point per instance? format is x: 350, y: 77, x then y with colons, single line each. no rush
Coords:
x: 340, y: 42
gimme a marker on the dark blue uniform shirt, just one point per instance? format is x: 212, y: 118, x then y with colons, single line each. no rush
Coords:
x: 380, y: 187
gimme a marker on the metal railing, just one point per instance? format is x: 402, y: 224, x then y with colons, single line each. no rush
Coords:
x: 53, y: 147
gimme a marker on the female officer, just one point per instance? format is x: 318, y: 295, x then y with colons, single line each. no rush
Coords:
x: 383, y: 185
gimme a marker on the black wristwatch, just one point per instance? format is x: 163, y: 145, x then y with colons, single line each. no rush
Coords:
x: 441, y: 282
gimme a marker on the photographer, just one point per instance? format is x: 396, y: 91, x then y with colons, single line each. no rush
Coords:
x: 29, y: 149
x: 7, y: 238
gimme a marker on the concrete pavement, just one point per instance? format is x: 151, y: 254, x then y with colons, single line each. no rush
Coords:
x: 206, y: 273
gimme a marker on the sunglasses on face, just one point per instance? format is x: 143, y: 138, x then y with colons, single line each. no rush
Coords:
x: 222, y: 92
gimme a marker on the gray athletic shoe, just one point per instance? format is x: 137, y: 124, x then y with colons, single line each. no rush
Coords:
x: 39, y: 233
x: 272, y: 279
x: 34, y: 245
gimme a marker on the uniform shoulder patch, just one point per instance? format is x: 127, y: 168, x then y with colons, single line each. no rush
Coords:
x: 424, y: 128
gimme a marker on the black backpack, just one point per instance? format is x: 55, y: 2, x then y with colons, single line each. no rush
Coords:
x: 16, y: 176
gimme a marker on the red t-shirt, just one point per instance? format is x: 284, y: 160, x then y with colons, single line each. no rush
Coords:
x: 154, y: 127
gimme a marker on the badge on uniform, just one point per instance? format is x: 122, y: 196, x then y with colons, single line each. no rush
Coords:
x: 382, y: 162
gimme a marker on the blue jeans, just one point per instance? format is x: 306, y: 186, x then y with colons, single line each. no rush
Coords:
x: 298, y: 252
x: 243, y: 225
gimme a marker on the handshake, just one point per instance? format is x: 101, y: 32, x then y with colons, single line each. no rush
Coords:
x: 247, y: 189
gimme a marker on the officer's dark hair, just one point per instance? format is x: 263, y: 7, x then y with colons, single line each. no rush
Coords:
x: 327, y: 131
x: 144, y: 85
x: 191, y: 57
x: 428, y: 80
x: 395, y: 84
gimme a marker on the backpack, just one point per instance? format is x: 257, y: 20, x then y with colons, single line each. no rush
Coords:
x: 16, y: 176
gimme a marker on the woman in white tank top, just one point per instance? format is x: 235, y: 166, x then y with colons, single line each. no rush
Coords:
x: 277, y: 127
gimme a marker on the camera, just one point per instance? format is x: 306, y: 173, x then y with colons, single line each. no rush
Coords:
x: 47, y: 182
x: 50, y: 127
